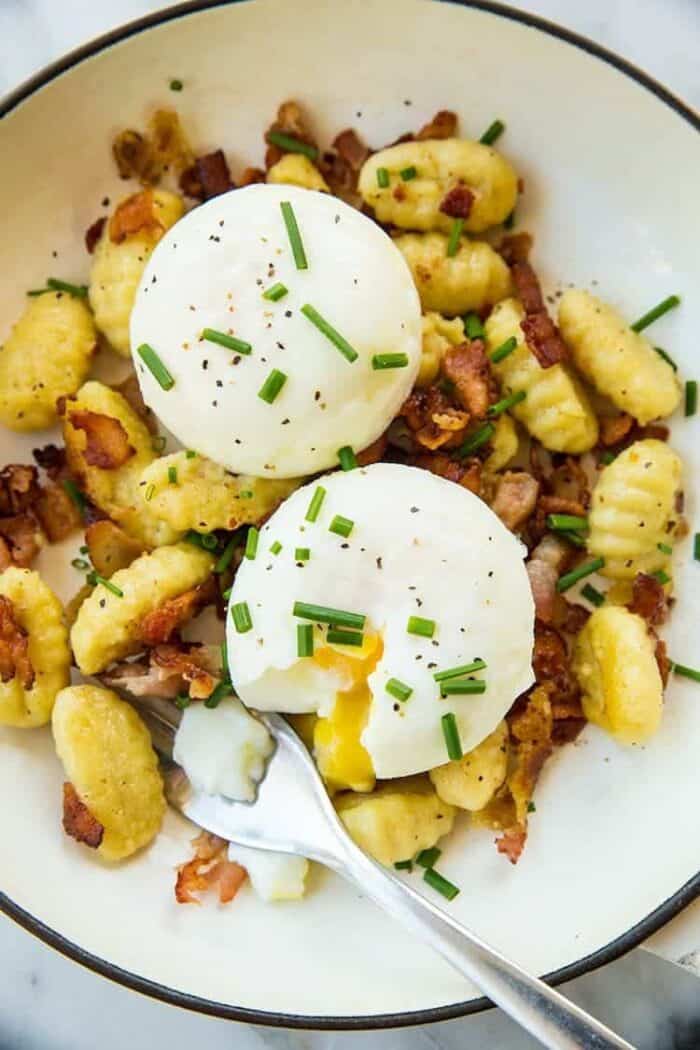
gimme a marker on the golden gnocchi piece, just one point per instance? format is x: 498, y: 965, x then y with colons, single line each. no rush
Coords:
x: 108, y: 624
x: 120, y: 258
x: 46, y: 356
x: 397, y: 820
x: 116, y: 491
x: 620, y: 363
x: 616, y: 668
x: 471, y: 781
x: 295, y: 169
x: 439, y: 334
x: 475, y: 277
x: 109, y: 760
x: 442, y: 166
x: 633, y: 509
x: 504, y: 444
x: 556, y: 409
x: 34, y: 653
x: 205, y: 496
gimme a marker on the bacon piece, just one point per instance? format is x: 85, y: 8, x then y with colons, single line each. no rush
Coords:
x: 648, y: 599
x: 171, y: 669
x: 544, y: 568
x: 208, y: 868
x: 434, y: 419
x: 131, y: 392
x: 135, y: 214
x: 107, y: 442
x: 212, y: 175
x: 442, y: 126
x: 158, y: 625
x: 93, y: 233
x: 374, y: 452
x: 541, y: 334
x: 457, y: 202
x: 350, y: 148
x: 512, y: 842
x: 550, y: 663
x: 469, y: 368
x: 19, y: 488
x: 515, y: 499
x: 14, y: 647
x: 614, y: 429
x: 516, y: 247
x: 250, y: 176
x: 467, y: 473
x: 570, y: 480
x: 57, y: 513
x: 341, y: 167
x: 78, y: 821
x: 662, y: 661
x: 576, y: 618
x: 52, y: 459
x: 527, y: 286
x: 19, y: 541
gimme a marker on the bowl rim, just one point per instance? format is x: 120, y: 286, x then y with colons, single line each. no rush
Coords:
x: 632, y: 937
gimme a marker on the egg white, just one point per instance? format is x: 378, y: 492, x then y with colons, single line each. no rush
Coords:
x: 422, y: 546
x: 273, y: 876
x: 210, y: 270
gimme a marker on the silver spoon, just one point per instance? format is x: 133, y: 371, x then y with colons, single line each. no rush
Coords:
x: 293, y: 814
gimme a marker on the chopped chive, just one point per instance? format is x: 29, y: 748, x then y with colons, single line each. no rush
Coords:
x: 455, y: 235
x: 579, y: 573
x: 696, y: 546
x: 34, y: 292
x: 316, y: 503
x: 155, y: 366
x: 218, y: 693
x: 305, y: 639
x: 190, y: 453
x: 291, y: 144
x: 463, y: 687
x: 275, y: 547
x: 450, y: 731
x: 272, y: 386
x: 398, y: 689
x: 340, y: 637
x: 459, y: 672
x: 241, y: 617
x: 686, y: 672
x: 572, y: 537
x: 665, y: 549
x: 531, y: 807
x: 91, y: 578
x: 79, y: 291
x: 403, y: 865
x: 567, y: 521
x: 380, y: 362
x: 661, y: 576
x: 245, y: 494
x: 229, y: 341
x: 657, y: 311
x: 223, y: 652
x: 80, y: 563
x: 341, y: 526
x: 592, y: 595
x: 348, y: 352
x: 182, y: 701
x: 302, y: 554
x: 506, y: 403
x: 148, y: 494
x: 225, y: 558
x: 109, y: 585
x: 493, y: 132
x: 75, y: 494
x: 382, y: 178
x: 509, y: 221
x: 275, y: 292
x: 227, y: 594
x: 691, y: 397
x: 176, y: 84
x: 295, y: 241
x: 419, y: 625
x: 607, y: 457
x: 504, y: 350
x: 473, y: 326
x: 326, y: 614
x: 347, y: 458
x: 439, y: 883
x: 251, y: 543
x: 206, y: 540
x: 172, y: 475
x: 84, y: 549
x: 667, y: 357
x: 427, y: 858
x: 408, y: 173
x: 158, y: 443
x: 476, y: 440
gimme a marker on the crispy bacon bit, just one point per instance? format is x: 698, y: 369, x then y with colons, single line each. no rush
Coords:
x: 158, y: 625
x: 374, y: 452
x: 547, y: 505
x: 52, y: 459
x: 131, y: 392
x: 570, y: 481
x: 208, y: 868
x: 541, y: 334
x: 78, y: 821
x: 19, y: 488
x: 662, y: 661
x: 19, y: 541
x: 342, y: 167
x: 57, y: 513
x: 442, y: 126
x: 135, y: 214
x: 107, y: 442
x: 527, y: 286
x: 515, y: 498
x: 469, y: 368
x: 434, y: 419
x: 512, y: 843
x: 94, y: 232
x: 171, y: 669
x: 457, y: 202
x: 550, y: 662
x: 208, y: 177
x: 467, y: 473
x: 516, y: 247
x: 544, y: 568
x: 576, y: 618
x: 614, y: 429
x: 251, y: 176
x: 193, y: 666
x: 350, y: 148
x: 290, y: 121
x: 648, y: 599
x: 14, y: 647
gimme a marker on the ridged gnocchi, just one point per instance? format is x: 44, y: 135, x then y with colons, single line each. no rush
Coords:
x: 616, y: 668
x: 633, y: 509
x: 556, y: 409
x: 473, y: 278
x: 47, y: 355
x: 107, y: 625
x: 439, y: 334
x: 118, y: 264
x: 116, y: 491
x: 32, y: 617
x: 205, y: 496
x: 504, y: 444
x: 295, y: 169
x: 441, y: 165
x: 397, y: 820
x: 620, y: 363
x: 108, y: 757
x: 471, y: 781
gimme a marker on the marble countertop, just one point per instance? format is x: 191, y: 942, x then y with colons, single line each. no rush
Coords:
x: 49, y: 1002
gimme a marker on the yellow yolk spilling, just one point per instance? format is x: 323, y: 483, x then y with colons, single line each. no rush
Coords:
x: 342, y: 760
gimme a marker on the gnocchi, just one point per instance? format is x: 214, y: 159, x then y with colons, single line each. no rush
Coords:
x: 633, y: 509
x: 620, y: 363
x: 616, y: 668
x: 439, y: 335
x: 107, y: 625
x: 46, y: 356
x: 120, y: 258
x: 471, y: 781
x: 34, y: 654
x: 473, y: 278
x: 556, y: 409
x: 504, y: 444
x: 108, y: 758
x: 295, y: 169
x: 441, y: 166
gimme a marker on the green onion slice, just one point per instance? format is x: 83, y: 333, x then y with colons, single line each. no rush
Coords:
x: 75, y: 494
x: 696, y: 546
x: 493, y: 132
x: 661, y: 576
x: 347, y: 458
x: 686, y: 672
x: 339, y: 637
x: 420, y: 626
x: 450, y: 731
x: 229, y: 341
x: 155, y: 366
x: 172, y: 475
x: 455, y: 236
x: 327, y: 329
x: 398, y: 689
x: 272, y: 386
x: 691, y: 397
x: 218, y: 693
x: 463, y: 687
x: 408, y: 173
x: 607, y: 458
x: 380, y: 362
x: 79, y: 291
x: 80, y: 564
x: 326, y: 614
x: 295, y: 241
x: 182, y: 701
x: 438, y: 882
x: 403, y: 865
x: 316, y: 503
x: 592, y: 595
x: 579, y: 573
x: 459, y: 672
x: 290, y: 144
x: 473, y: 326
x: 382, y: 178
x: 206, y: 540
x: 226, y: 557
x: 251, y: 543
x: 109, y: 585
x: 667, y: 358
x: 305, y: 639
x: 302, y: 554
x: 241, y: 617
x: 567, y: 521
x: 476, y: 440
x: 275, y: 292
x: 502, y: 351
x: 275, y: 547
x: 341, y: 526
x: 506, y: 403
x: 427, y: 858
x: 657, y: 311
x: 665, y: 549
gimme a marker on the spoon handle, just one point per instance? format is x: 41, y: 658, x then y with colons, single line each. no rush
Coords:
x: 539, y: 1009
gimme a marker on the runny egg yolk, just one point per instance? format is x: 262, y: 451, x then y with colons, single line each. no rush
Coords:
x: 342, y: 760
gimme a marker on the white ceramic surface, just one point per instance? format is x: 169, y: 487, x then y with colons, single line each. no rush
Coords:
x: 618, y: 826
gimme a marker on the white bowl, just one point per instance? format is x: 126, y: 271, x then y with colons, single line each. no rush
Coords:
x: 610, y: 163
